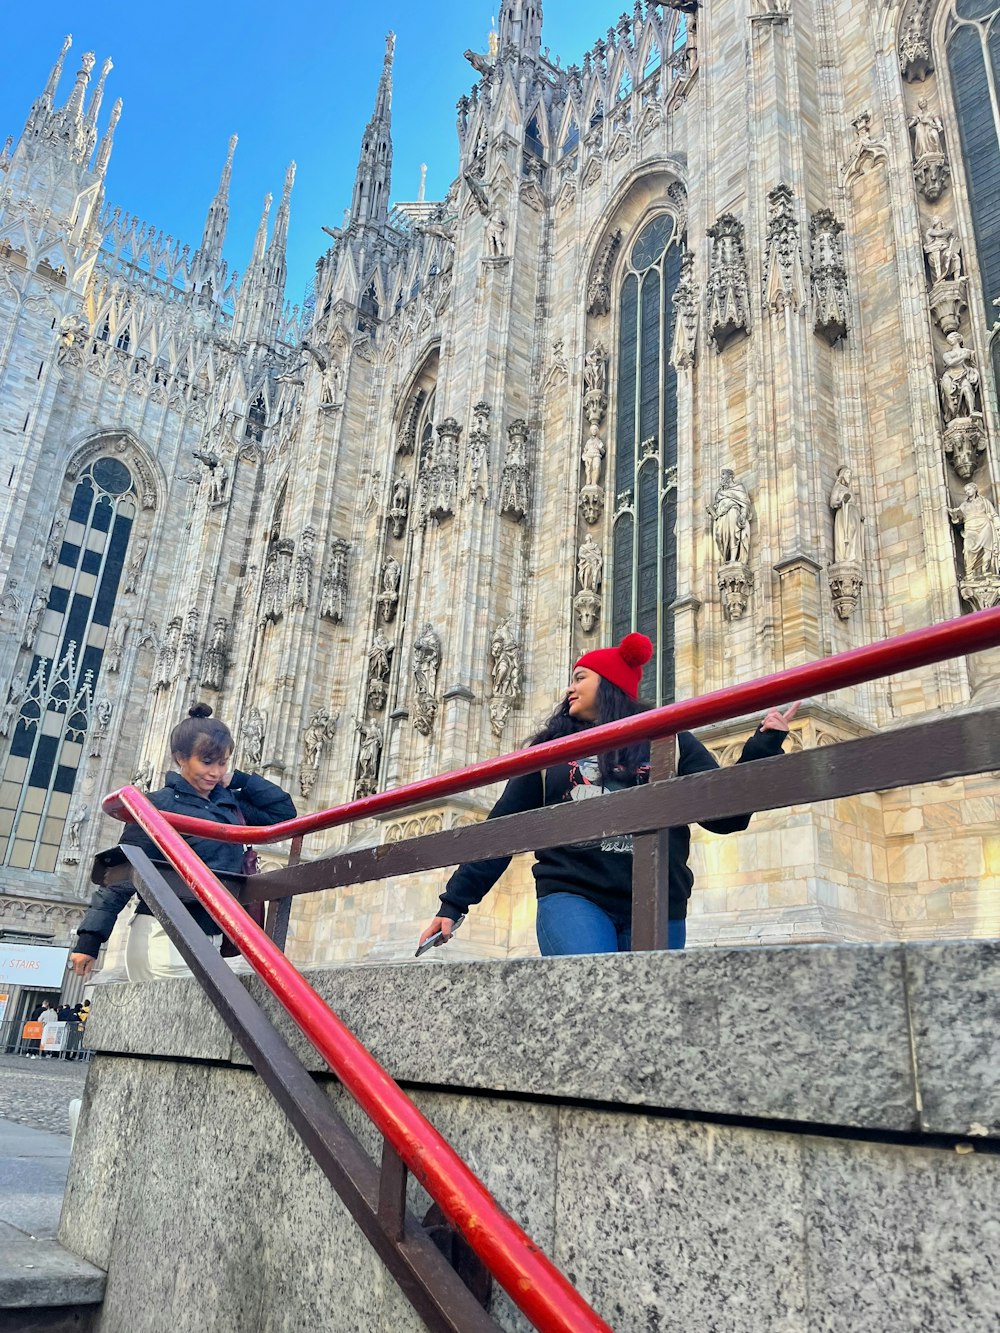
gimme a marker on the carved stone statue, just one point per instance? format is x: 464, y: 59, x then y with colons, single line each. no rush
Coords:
x: 102, y: 721
x: 302, y: 583
x: 73, y: 331
x: 76, y: 823
x: 731, y: 513
x: 115, y: 650
x: 506, y: 654
x: 380, y: 655
x: 595, y: 371
x: 214, y: 667
x: 944, y: 255
x: 593, y: 456
x: 165, y: 664
x: 252, y: 738
x: 960, y: 380
x: 980, y: 524
x: 277, y: 573
x: 34, y: 622
x: 133, y: 570
x: 847, y: 519
x: 928, y: 131
x: 322, y: 728
x: 590, y: 565
x: 333, y: 592
x: 10, y: 602
x: 496, y: 233
x: 388, y: 598
x: 426, y: 660
x: 142, y: 778
x: 399, y: 506
x: 514, y: 499
x: 368, y: 756
x: 54, y: 543
x: 15, y: 693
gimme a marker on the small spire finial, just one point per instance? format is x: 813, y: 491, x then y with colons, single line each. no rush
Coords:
x: 104, y: 152
x: 423, y: 182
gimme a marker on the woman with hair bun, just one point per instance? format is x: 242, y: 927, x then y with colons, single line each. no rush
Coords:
x: 202, y: 788
x: 585, y: 890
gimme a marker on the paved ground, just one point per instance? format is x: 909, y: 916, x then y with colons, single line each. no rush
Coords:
x: 37, y: 1093
x: 33, y: 1168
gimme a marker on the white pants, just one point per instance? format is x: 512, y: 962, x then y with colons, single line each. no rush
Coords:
x: 150, y: 954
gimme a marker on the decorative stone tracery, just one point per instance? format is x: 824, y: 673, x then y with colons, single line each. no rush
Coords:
x: 728, y: 292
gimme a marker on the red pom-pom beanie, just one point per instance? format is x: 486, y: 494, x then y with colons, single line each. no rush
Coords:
x: 622, y: 665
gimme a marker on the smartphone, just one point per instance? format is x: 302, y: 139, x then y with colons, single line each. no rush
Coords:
x: 437, y: 938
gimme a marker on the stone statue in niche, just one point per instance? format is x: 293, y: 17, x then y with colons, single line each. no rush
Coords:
x: 15, y: 693
x: 164, y: 667
x: 184, y: 669
x: 34, y: 622
x: 379, y: 660
x: 277, y: 573
x: 252, y: 739
x: 333, y: 591
x: 944, y: 256
x: 115, y: 650
x: 960, y: 379
x: 214, y: 667
x: 73, y: 332
x: 980, y: 524
x: 302, y: 581
x: 54, y: 543
x: 592, y: 455
x: 388, y: 598
x: 399, y: 506
x: 590, y: 565
x: 930, y: 165
x: 76, y: 823
x: 496, y: 233
x: 506, y: 654
x: 514, y: 498
x: 426, y: 664
x: 133, y: 570
x: 732, y: 513
x: 368, y: 756
x: 845, y: 573
x: 847, y: 518
x: 322, y: 728
x: 142, y: 778
x: 102, y: 721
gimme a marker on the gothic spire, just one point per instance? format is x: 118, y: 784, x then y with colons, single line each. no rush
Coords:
x: 56, y: 73
x: 73, y: 110
x: 250, y: 301
x: 279, y: 237
x: 521, y: 26
x: 372, y: 182
x: 95, y: 102
x: 104, y: 152
x: 218, y: 214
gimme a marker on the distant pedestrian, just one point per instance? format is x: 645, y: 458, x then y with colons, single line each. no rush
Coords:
x: 47, y: 1016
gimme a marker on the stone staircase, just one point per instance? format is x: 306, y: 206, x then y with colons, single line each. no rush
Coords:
x: 45, y: 1288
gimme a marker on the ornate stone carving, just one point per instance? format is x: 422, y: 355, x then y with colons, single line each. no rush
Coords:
x: 54, y: 543
x: 115, y: 648
x: 592, y: 504
x: 595, y: 384
x: 12, y: 704
x: 479, y: 445
x: 587, y: 606
x: 868, y: 151
x: 728, y: 294
x: 388, y: 598
x: 599, y: 288
x: 34, y: 621
x: 369, y: 754
x: 735, y: 585
x: 847, y: 518
x: 944, y: 255
x: 101, y: 723
x: 980, y: 524
x: 846, y: 582
x: 440, y: 480
x: 302, y: 582
x: 829, y: 277
x: 277, y: 574
x: 685, y: 301
x: 379, y: 663
x: 915, y: 59
x: 406, y: 440
x: 399, y: 506
x: 592, y: 458
x: 783, y: 281
x: 320, y: 729
x: 184, y: 668
x: 133, y: 570
x: 496, y: 232
x: 10, y: 602
x: 590, y: 565
x: 426, y: 664
x: 213, y: 669
x: 506, y: 674
x: 964, y: 440
x: 73, y: 333
x: 514, y: 497
x: 252, y: 738
x: 959, y: 380
x: 930, y: 165
x: 142, y: 776
x: 333, y: 592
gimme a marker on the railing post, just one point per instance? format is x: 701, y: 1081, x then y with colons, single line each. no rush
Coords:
x: 279, y: 912
x: 392, y: 1192
x: 651, y: 863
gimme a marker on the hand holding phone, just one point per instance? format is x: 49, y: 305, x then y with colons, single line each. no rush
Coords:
x: 439, y: 937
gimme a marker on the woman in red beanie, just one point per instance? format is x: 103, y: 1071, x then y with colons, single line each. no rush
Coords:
x: 585, y: 890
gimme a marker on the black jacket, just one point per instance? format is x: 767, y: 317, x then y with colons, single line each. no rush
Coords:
x: 249, y: 799
x: 601, y: 870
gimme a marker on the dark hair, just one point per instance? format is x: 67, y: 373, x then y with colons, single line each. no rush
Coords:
x: 613, y: 704
x: 201, y: 735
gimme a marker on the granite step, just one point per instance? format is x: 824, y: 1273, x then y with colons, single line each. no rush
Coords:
x: 45, y: 1288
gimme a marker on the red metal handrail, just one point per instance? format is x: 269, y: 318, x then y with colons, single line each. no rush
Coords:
x: 954, y: 638
x: 535, y: 1285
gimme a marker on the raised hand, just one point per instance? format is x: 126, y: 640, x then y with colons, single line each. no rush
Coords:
x: 776, y: 720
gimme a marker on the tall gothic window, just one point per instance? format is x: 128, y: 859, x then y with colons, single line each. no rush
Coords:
x: 644, y: 570
x: 49, y: 731
x: 972, y: 41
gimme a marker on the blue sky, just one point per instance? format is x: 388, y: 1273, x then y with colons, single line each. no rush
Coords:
x: 293, y: 81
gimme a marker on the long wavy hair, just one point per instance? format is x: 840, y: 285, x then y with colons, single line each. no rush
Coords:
x: 613, y: 704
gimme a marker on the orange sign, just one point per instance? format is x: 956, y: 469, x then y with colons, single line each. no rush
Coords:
x: 32, y: 1031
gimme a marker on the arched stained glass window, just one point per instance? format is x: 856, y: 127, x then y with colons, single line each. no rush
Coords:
x: 973, y: 57
x: 67, y: 629
x: 644, y: 547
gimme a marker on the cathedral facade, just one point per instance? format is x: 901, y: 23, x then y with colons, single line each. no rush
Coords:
x: 701, y: 342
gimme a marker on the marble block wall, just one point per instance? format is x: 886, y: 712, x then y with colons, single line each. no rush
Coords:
x: 789, y: 1140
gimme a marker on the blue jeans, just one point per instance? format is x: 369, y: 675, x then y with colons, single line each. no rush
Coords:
x: 567, y: 923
